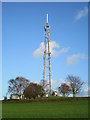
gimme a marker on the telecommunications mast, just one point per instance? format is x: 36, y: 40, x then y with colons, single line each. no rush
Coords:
x: 47, y: 55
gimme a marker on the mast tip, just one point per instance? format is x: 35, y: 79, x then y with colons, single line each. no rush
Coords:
x: 47, y: 18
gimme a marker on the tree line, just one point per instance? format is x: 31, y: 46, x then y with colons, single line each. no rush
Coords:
x: 22, y: 86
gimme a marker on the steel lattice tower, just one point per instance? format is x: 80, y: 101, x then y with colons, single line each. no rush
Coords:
x: 47, y: 53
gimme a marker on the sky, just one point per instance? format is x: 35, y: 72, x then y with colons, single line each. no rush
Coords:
x: 23, y: 42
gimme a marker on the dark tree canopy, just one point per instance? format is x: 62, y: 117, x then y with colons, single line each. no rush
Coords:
x: 17, y: 85
x: 64, y: 89
x: 75, y: 84
x: 33, y: 90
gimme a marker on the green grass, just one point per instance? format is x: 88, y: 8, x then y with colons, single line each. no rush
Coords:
x: 46, y: 109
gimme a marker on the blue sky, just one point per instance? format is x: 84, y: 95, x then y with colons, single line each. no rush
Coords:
x: 23, y: 37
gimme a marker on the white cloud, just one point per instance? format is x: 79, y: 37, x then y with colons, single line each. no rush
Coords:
x: 75, y: 58
x: 82, y: 13
x: 36, y: 81
x: 55, y: 49
x: 38, y: 52
x: 64, y: 50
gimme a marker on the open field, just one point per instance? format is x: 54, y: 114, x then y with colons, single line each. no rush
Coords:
x: 46, y: 109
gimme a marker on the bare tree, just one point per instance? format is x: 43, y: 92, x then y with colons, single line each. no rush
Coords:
x: 45, y: 83
x: 17, y: 85
x: 75, y: 84
x: 64, y: 89
x: 46, y: 86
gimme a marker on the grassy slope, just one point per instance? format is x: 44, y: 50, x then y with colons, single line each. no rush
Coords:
x: 61, y: 109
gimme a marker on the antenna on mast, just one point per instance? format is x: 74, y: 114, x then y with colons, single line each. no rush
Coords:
x: 47, y: 18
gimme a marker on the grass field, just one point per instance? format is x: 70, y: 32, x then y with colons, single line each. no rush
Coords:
x: 46, y: 109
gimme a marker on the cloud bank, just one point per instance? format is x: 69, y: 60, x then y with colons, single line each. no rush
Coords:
x: 75, y: 58
x: 82, y: 13
x: 55, y: 49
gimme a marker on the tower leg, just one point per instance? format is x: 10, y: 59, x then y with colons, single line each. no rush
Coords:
x: 44, y: 63
x: 49, y: 66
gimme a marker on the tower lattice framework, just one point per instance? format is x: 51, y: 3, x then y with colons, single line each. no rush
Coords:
x: 47, y: 56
